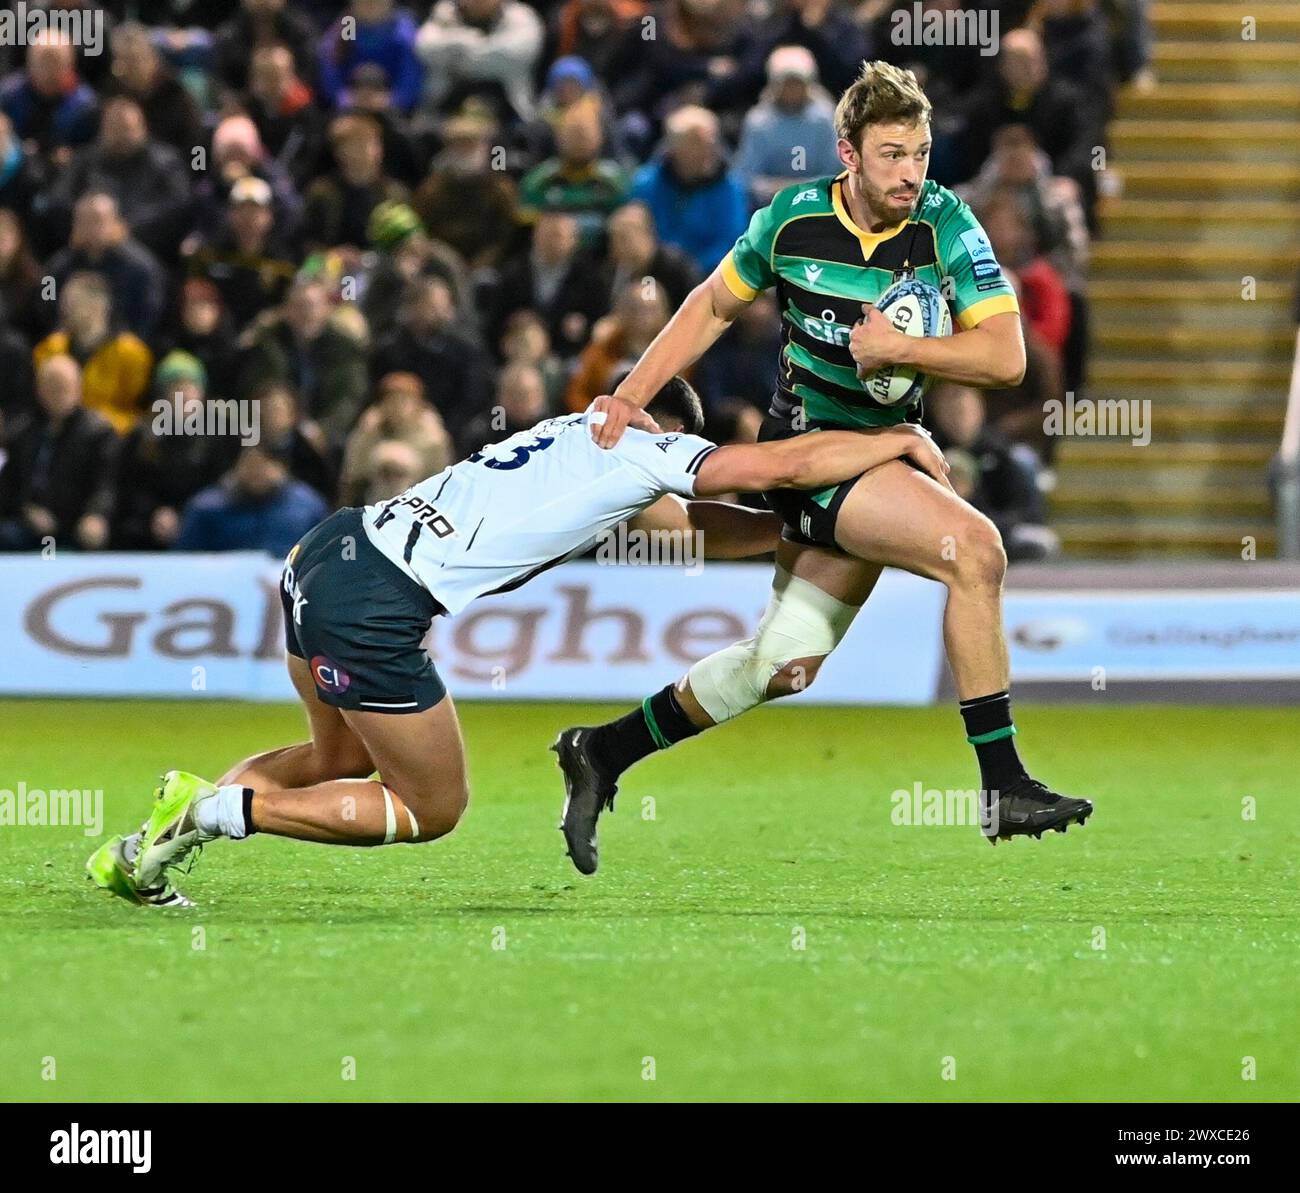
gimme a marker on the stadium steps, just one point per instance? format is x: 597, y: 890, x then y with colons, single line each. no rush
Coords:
x: 1205, y: 60
x: 1202, y: 191
x: 1213, y: 101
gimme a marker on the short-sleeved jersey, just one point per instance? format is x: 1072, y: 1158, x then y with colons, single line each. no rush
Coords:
x: 513, y: 509
x: 824, y: 267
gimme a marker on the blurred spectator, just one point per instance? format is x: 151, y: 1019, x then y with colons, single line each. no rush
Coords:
x: 163, y: 464
x: 237, y: 153
x: 1055, y: 213
x: 389, y: 470
x: 617, y: 342
x: 246, y: 260
x: 521, y: 402
x: 696, y: 203
x: 1077, y: 40
x: 100, y: 241
x: 57, y: 479
x: 113, y: 365
x: 19, y: 176
x: 405, y: 157
x: 995, y: 477
x: 290, y: 125
x: 733, y: 420
x: 790, y: 135
x: 525, y: 340
x: 486, y: 48
x: 299, y: 442
x: 694, y: 57
x: 464, y: 201
x: 948, y: 68
x: 140, y: 73
x: 262, y: 23
x: 1051, y: 204
x: 378, y: 34
x: 402, y: 253
x: 19, y: 278
x: 578, y: 180
x: 635, y: 253
x: 570, y: 83
x: 1022, y: 92
x: 452, y: 368
x: 827, y: 29
x: 595, y: 31
x: 51, y: 108
x: 1131, y: 23
x: 300, y: 346
x: 741, y: 366
x: 18, y: 394
x: 147, y: 178
x: 1018, y: 412
x: 554, y: 279
x: 257, y: 506
x: 339, y: 204
x: 1044, y: 300
x: 399, y: 414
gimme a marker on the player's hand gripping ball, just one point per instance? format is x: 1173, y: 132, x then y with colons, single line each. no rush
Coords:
x: 914, y: 308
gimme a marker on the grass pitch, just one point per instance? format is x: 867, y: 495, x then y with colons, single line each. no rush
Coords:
x: 483, y: 966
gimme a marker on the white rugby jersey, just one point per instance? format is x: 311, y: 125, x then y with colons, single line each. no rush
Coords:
x: 513, y: 509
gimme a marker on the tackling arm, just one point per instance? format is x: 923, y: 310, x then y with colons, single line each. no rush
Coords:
x: 727, y: 531
x: 816, y: 459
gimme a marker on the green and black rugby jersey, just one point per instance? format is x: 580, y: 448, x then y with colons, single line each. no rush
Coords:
x: 824, y: 267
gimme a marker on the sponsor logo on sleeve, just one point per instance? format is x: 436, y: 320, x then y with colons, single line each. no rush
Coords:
x: 980, y: 252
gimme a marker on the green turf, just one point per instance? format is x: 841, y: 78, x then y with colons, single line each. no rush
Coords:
x: 922, y: 943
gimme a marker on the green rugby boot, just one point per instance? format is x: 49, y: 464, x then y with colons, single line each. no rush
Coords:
x: 172, y: 833
x: 111, y: 868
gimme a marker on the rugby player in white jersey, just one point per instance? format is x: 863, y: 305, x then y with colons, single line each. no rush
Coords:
x: 360, y: 592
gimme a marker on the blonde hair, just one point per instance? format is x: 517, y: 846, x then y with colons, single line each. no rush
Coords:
x: 881, y: 94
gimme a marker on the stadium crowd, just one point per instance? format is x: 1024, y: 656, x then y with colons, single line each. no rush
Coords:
x: 387, y: 234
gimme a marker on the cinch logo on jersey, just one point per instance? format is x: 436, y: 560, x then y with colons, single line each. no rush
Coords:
x: 329, y: 676
x: 85, y: 1146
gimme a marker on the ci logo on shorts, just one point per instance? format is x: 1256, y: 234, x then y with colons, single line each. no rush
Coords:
x: 329, y: 676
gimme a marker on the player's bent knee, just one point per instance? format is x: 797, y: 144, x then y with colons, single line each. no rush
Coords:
x: 440, y: 814
x: 795, y: 677
x: 979, y: 558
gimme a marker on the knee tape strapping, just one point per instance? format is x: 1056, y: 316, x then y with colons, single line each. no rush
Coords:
x: 801, y: 621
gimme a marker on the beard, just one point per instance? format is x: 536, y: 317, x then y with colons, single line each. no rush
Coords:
x: 886, y: 206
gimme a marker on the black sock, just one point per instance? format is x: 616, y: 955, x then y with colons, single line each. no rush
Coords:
x: 249, y: 828
x: 990, y: 731
x: 658, y: 723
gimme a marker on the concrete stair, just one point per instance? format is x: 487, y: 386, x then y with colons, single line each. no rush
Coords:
x: 1207, y: 167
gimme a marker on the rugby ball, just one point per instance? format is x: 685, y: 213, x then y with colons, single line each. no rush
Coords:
x: 915, y: 308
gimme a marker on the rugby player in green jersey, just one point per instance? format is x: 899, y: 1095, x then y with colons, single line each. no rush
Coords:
x: 831, y: 247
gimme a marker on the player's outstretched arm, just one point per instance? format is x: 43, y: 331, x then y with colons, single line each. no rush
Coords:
x: 816, y: 459
x: 727, y: 531
x: 708, y: 311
